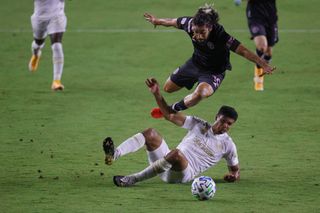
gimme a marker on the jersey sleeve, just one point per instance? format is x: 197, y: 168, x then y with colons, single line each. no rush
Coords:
x: 232, y: 155
x: 188, y: 123
x: 230, y: 42
x: 184, y: 23
x: 192, y: 121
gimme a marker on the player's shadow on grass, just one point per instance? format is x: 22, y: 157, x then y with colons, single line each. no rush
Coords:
x: 220, y: 181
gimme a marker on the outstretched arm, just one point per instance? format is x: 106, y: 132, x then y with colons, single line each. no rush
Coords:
x: 167, y: 22
x: 168, y: 113
x: 233, y: 175
x: 243, y: 51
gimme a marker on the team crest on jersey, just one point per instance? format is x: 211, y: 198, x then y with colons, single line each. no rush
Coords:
x: 210, y: 45
x: 255, y: 29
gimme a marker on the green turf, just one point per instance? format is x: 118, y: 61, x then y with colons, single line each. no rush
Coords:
x: 50, y: 143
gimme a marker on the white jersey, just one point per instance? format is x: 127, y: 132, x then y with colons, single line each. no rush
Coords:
x: 48, y: 8
x: 203, y: 148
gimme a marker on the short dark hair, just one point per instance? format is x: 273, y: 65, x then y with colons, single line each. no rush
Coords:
x: 229, y: 112
x: 206, y: 15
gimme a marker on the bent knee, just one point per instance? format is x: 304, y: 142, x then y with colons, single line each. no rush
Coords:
x: 202, y: 94
x: 261, y: 43
x: 203, y: 91
x: 175, y: 155
x: 168, y: 88
x: 150, y: 134
x: 153, y: 139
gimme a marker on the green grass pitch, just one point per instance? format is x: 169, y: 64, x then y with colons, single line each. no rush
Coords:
x: 51, y: 159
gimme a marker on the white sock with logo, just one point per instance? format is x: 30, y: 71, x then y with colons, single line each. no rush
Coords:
x: 58, y: 60
x: 132, y: 144
x: 155, y: 168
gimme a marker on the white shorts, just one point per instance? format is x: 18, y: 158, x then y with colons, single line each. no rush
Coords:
x: 170, y: 176
x: 42, y: 27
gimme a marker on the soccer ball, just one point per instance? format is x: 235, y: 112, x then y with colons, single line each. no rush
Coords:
x: 237, y: 2
x: 203, y: 188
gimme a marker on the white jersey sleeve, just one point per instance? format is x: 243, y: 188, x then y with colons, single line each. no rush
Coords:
x: 192, y: 121
x: 231, y: 155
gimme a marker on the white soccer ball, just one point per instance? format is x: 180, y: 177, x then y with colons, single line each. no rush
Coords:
x: 237, y: 2
x: 203, y: 188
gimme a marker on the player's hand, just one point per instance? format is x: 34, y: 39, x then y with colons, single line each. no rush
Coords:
x: 153, y: 85
x: 230, y: 178
x: 267, y: 70
x: 150, y: 18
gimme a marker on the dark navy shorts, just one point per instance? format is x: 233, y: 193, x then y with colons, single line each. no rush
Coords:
x: 270, y: 31
x: 189, y: 74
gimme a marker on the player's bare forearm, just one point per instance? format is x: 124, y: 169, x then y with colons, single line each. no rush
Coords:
x: 168, y: 113
x: 167, y: 22
x: 233, y: 175
x: 164, y: 107
x: 246, y: 53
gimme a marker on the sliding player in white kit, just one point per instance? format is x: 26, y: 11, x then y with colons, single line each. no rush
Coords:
x: 203, y: 147
x: 49, y: 19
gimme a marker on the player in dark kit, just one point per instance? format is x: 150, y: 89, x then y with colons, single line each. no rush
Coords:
x: 262, y: 21
x: 210, y: 58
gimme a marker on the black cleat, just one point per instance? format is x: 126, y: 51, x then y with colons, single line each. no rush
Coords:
x: 108, y: 148
x: 123, y: 181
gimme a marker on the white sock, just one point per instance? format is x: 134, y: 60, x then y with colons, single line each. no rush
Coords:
x: 36, y: 48
x: 155, y: 168
x: 130, y: 145
x: 58, y: 60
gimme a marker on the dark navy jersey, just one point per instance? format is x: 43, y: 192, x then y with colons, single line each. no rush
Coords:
x: 213, y: 54
x: 262, y: 10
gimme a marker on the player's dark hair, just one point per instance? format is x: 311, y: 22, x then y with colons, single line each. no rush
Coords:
x: 206, y: 15
x: 229, y: 112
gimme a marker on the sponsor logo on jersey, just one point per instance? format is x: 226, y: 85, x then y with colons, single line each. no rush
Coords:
x: 203, y: 147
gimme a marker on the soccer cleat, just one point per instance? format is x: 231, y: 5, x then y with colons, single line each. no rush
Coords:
x: 258, y: 81
x: 108, y: 148
x: 34, y: 62
x: 124, y: 181
x: 57, y: 86
x: 156, y: 113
